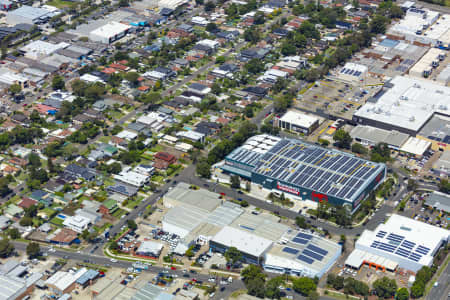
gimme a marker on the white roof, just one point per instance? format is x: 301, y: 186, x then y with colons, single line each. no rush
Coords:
x: 110, y: 30
x: 243, y: 241
x: 355, y: 67
x: 199, y: 20
x: 62, y: 280
x: 77, y: 221
x: 208, y: 43
x: 413, y: 22
x: 126, y: 134
x: 150, y: 247
x: 12, y: 78
x: 416, y: 146
x: 409, y: 104
x: 42, y: 48
x: 299, y: 119
x: 440, y: 30
x: 192, y: 135
x: 425, y: 63
x: 132, y: 178
x: 358, y: 257
x: 91, y: 78
x: 417, y: 234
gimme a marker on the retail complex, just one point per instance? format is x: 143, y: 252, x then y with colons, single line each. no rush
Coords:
x: 304, y: 170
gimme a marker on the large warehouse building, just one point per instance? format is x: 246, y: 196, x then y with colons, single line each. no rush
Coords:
x: 304, y: 170
x: 302, y: 254
x: 405, y: 104
x: 399, y: 243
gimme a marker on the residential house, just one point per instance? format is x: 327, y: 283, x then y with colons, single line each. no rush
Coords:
x: 42, y: 197
x: 27, y: 203
x: 80, y: 172
x: 122, y: 189
x: 160, y: 74
x: 63, y: 236
x: 162, y: 160
x: 253, y: 53
x: 256, y: 91
x: 108, y: 207
x: 13, y: 211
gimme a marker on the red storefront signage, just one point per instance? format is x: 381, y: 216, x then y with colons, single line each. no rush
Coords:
x: 319, y: 197
x: 288, y: 189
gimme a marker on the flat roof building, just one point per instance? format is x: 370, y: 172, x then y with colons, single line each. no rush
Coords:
x: 29, y: 15
x: 109, y: 33
x: 352, y: 72
x: 302, y: 254
x: 182, y: 195
x: 424, y: 67
x: 298, y: 122
x: 410, y: 244
x: 439, y: 201
x: 306, y: 171
x: 436, y: 131
x: 442, y: 166
x: 406, y: 104
x: 415, y: 146
x: 250, y: 245
x: 370, y: 136
x: 76, y: 223
x: 149, y: 248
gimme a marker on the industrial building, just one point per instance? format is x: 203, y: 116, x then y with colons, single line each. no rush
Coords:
x: 302, y: 254
x: 30, y: 15
x: 149, y: 248
x: 413, y: 25
x: 401, y: 242
x: 370, y: 136
x: 353, y: 73
x: 305, y: 171
x: 109, y: 33
x: 436, y: 131
x: 416, y: 147
x: 439, y: 201
x: 250, y: 245
x: 424, y: 67
x: 405, y: 104
x: 444, y: 76
x: 442, y: 166
x: 298, y: 121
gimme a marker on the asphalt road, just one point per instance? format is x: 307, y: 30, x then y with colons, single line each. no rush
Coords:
x: 442, y: 290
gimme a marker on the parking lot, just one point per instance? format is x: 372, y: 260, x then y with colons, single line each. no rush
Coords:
x: 336, y: 98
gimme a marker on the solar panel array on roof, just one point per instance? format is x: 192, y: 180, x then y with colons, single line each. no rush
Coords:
x: 317, y: 249
x: 381, y: 234
x: 290, y: 250
x: 315, y: 168
x: 305, y: 259
x: 300, y: 241
x: 422, y: 250
x: 408, y: 244
x: 312, y: 254
x: 304, y: 236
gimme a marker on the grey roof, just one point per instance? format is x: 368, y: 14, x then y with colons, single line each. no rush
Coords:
x: 224, y: 214
x: 377, y: 135
x: 198, y: 86
x: 30, y: 12
x: 151, y: 292
x: 265, y: 225
x: 437, y: 129
x: 439, y: 201
x: 200, y: 198
x: 11, y: 288
x: 4, y: 221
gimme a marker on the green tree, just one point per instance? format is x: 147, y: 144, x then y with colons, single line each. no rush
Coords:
x: 287, y: 49
x: 254, y: 66
x: 203, y: 168
x: 385, y: 287
x: 235, y: 182
x: 417, y: 289
x: 14, y: 233
x: 313, y: 295
x: 304, y: 285
x: 272, y: 288
x: 412, y: 185
x: 211, y: 27
x: 6, y: 248
x: 301, y: 222
x: 378, y: 24
x: 342, y: 139
x: 255, y: 287
x: 58, y: 83
x: 114, y: 246
x: 380, y: 153
x: 251, y: 272
x: 402, y: 294
x: 132, y: 77
x: 444, y: 186
x: 233, y: 255
x: 26, y: 221
x: 252, y: 35
x: 210, y: 6
x: 15, y: 89
x: 220, y: 59
x: 33, y: 250
x: 132, y: 224
x: 34, y: 160
x: 358, y: 148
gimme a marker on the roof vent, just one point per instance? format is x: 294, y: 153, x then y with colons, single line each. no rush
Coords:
x: 412, y: 119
